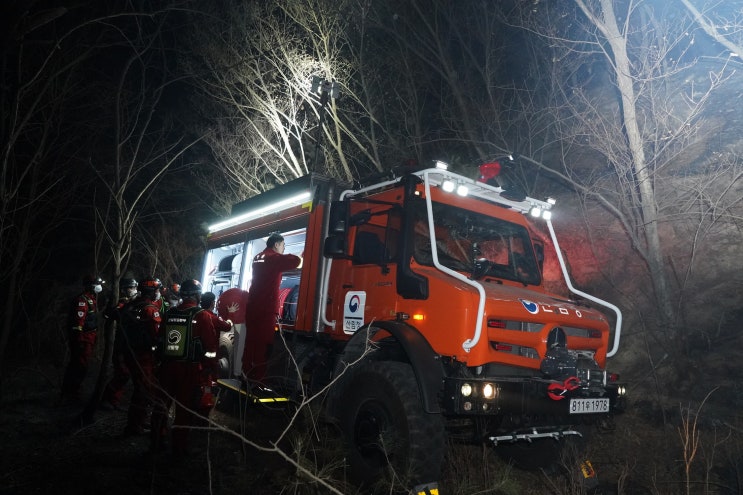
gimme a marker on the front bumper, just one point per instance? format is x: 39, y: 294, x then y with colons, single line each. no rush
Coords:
x: 529, y: 396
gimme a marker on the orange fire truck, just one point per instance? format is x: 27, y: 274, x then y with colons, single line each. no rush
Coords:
x: 420, y: 314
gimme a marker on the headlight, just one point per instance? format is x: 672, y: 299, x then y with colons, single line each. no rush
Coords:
x: 488, y: 391
x: 466, y: 389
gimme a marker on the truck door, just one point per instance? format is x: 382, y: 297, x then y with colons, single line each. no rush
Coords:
x: 363, y: 286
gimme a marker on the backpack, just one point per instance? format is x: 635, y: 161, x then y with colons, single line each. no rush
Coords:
x: 178, y: 344
x: 136, y: 332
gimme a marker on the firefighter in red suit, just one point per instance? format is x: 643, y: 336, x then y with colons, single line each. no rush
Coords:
x: 82, y: 334
x: 262, y: 308
x: 160, y: 301
x: 208, y: 302
x: 187, y: 371
x: 140, y: 325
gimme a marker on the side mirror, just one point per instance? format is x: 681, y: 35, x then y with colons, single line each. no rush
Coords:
x: 338, y: 217
x: 335, y: 246
x: 336, y: 243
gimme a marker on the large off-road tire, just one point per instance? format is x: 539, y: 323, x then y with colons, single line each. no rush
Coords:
x: 224, y: 355
x: 388, y: 434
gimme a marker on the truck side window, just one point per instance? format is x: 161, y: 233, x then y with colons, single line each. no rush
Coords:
x: 368, y: 247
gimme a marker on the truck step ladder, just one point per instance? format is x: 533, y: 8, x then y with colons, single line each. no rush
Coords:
x: 256, y: 395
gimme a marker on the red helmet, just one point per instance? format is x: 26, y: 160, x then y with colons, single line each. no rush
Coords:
x: 150, y: 285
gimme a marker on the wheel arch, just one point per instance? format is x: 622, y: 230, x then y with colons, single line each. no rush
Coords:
x: 404, y: 342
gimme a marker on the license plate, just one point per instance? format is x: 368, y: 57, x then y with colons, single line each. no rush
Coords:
x: 588, y: 406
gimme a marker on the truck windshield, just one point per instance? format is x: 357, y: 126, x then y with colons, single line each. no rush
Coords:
x: 476, y: 244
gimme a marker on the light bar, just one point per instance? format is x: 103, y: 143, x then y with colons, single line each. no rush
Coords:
x: 295, y: 200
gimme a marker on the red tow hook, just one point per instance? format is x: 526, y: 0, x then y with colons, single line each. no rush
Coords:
x: 556, y: 391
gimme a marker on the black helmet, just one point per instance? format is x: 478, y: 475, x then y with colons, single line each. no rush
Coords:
x: 190, y: 288
x: 150, y: 285
x: 90, y: 280
x: 127, y: 283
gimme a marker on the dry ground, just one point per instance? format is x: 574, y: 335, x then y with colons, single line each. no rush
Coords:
x: 45, y: 449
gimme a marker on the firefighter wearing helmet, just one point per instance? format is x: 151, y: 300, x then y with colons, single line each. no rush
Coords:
x: 158, y: 299
x: 173, y: 295
x: 115, y: 389
x: 82, y: 333
x: 188, y: 368
x: 140, y: 326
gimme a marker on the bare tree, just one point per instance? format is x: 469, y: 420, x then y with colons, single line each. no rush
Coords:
x: 40, y: 86
x: 648, y: 132
x: 266, y: 124
x: 144, y: 148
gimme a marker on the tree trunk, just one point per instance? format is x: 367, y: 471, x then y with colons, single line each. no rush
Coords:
x: 643, y: 176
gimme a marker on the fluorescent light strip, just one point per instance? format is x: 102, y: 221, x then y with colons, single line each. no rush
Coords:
x: 278, y: 206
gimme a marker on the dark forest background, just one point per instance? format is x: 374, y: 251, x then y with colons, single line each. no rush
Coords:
x: 129, y: 126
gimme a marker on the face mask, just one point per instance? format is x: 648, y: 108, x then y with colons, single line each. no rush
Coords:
x: 131, y: 292
x: 157, y: 296
x: 97, y: 288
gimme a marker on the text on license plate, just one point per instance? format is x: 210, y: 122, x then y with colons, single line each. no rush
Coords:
x: 586, y: 406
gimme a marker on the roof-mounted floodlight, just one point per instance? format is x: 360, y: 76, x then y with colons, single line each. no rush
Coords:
x: 448, y: 185
x: 283, y: 204
x: 463, y: 190
x: 551, y: 201
x: 441, y: 165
